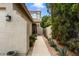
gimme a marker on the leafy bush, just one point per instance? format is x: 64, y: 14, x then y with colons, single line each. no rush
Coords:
x: 51, y: 42
x: 73, y: 44
x: 62, y: 51
x: 77, y: 51
x: 65, y: 23
x: 45, y: 21
x: 32, y: 39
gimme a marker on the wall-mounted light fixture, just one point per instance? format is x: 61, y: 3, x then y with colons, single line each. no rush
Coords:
x: 8, y: 18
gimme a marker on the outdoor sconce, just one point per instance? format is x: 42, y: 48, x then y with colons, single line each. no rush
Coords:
x: 8, y: 18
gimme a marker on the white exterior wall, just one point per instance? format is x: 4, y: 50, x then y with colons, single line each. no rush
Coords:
x: 13, y: 35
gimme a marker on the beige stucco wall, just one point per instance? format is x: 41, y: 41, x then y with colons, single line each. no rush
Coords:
x: 14, y: 35
x: 29, y: 31
x: 39, y: 29
x: 29, y: 24
x: 48, y: 32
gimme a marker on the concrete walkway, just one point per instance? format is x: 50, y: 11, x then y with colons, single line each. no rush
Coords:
x: 40, y: 48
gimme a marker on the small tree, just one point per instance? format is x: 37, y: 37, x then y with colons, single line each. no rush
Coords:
x: 45, y: 21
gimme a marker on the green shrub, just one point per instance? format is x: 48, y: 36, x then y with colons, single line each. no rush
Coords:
x: 77, y: 50
x: 73, y: 44
x: 62, y: 51
x: 45, y: 21
x: 32, y: 39
x: 51, y: 42
x: 65, y: 21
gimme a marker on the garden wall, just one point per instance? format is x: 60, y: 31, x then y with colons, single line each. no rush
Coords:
x: 47, y: 32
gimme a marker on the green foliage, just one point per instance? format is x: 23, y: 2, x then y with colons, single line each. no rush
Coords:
x: 73, y: 44
x: 62, y: 51
x: 65, y: 22
x: 32, y: 39
x: 45, y: 21
x: 52, y: 43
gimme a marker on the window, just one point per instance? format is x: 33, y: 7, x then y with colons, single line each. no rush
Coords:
x: 38, y: 16
x: 34, y: 15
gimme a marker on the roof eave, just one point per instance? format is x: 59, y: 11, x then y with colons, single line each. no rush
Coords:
x: 27, y: 12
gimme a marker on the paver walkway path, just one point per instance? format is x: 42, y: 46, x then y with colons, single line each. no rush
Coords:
x: 40, y: 48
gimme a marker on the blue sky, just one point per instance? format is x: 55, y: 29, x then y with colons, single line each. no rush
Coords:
x: 38, y: 6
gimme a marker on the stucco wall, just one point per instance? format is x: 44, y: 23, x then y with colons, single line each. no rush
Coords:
x: 20, y: 26
x: 29, y: 31
x: 39, y: 29
x: 14, y: 34
x: 48, y: 32
x: 29, y: 23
